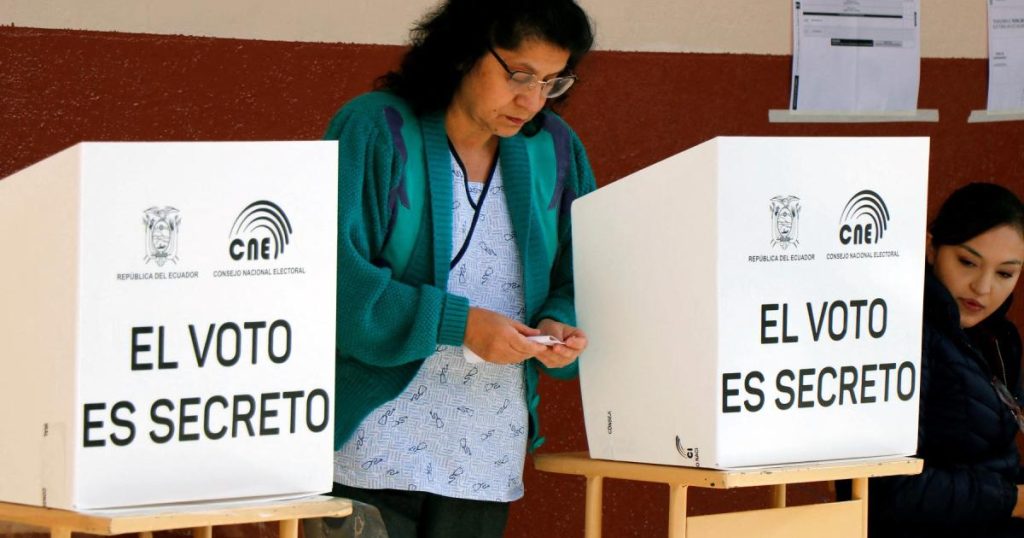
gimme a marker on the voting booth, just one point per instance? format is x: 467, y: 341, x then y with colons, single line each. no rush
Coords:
x: 755, y: 301
x: 167, y: 323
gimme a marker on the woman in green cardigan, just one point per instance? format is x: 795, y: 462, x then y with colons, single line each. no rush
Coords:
x: 455, y: 283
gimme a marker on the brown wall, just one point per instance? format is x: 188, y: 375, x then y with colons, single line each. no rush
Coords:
x: 631, y: 109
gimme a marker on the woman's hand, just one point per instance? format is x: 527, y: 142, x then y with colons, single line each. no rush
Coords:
x: 560, y: 355
x: 498, y: 339
x: 1018, y: 509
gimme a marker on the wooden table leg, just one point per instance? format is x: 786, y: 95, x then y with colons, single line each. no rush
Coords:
x: 202, y: 532
x: 60, y: 533
x: 288, y: 528
x: 677, y: 511
x: 145, y: 535
x: 592, y: 513
x: 779, y: 496
x: 860, y: 492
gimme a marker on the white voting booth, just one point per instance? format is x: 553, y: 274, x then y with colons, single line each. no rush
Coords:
x: 755, y: 301
x: 167, y: 323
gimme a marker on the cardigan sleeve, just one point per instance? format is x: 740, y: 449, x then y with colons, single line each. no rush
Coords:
x: 380, y: 320
x: 559, y: 304
x: 948, y: 496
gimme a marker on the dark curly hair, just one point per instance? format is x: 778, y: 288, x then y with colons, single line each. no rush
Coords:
x: 449, y: 40
x: 973, y: 210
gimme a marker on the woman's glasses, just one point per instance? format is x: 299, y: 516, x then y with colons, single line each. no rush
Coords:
x: 522, y: 82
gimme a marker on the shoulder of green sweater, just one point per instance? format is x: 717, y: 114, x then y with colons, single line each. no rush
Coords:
x: 379, y: 100
x: 372, y: 108
x: 573, y: 150
x: 554, y: 123
x: 552, y: 116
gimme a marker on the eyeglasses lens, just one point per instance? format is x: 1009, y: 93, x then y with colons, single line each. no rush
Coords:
x: 559, y: 86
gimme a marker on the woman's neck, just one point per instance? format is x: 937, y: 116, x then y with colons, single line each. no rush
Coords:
x: 476, y: 147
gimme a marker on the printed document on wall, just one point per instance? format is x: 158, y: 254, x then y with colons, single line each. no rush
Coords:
x: 1006, y: 55
x: 856, y: 55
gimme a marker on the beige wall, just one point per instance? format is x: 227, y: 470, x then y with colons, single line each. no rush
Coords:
x: 950, y: 28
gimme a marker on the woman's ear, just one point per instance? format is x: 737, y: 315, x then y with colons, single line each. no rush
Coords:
x: 929, y: 249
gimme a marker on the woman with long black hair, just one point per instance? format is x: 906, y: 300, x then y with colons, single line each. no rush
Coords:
x: 970, y: 380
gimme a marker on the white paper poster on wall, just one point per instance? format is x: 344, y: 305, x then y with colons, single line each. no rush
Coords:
x: 1006, y: 55
x: 170, y: 330
x: 755, y: 301
x: 856, y: 55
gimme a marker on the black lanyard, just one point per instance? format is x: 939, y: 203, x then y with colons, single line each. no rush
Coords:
x: 477, y: 204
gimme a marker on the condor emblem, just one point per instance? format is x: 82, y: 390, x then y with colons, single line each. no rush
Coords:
x: 785, y: 221
x: 161, y: 234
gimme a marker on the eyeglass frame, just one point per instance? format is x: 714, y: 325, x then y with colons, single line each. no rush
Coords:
x: 526, y: 86
x: 1004, y: 394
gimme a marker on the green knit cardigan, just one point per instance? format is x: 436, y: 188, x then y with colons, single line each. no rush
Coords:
x: 394, y: 245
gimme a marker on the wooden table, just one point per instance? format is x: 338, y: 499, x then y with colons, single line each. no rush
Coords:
x: 198, y: 517
x: 846, y: 519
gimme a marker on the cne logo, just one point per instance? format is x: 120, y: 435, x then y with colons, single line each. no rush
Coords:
x: 161, y: 224
x: 686, y: 452
x: 261, y: 232
x: 865, y: 219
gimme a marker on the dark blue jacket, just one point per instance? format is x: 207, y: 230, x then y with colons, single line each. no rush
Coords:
x: 965, y: 435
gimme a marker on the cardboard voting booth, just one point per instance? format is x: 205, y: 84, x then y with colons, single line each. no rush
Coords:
x: 755, y: 301
x: 167, y: 323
